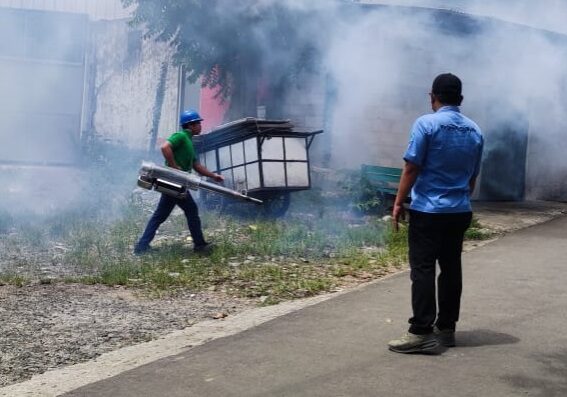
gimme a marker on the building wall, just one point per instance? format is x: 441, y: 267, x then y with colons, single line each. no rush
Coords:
x: 122, y: 75
x: 306, y: 105
x: 123, y: 87
x: 369, y: 119
x: 41, y: 79
x: 124, y: 72
x: 546, y: 173
x: 96, y: 9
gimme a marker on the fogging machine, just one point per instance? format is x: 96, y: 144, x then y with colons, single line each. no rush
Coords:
x: 176, y: 183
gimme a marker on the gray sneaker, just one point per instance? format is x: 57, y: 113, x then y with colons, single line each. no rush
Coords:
x: 446, y: 337
x: 412, y: 343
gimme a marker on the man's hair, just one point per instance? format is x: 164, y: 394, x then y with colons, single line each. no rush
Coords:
x: 447, y: 88
x: 188, y: 124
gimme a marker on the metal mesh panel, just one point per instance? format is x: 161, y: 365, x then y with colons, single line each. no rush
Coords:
x: 297, y: 175
x: 295, y: 149
x: 274, y: 174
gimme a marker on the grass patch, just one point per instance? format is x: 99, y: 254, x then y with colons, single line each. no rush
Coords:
x: 271, y: 260
x: 13, y: 279
x: 477, y: 232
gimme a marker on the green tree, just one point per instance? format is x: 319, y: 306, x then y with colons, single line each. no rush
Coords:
x: 238, y: 45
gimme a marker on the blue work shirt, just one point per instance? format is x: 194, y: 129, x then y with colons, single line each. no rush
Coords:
x: 447, y: 147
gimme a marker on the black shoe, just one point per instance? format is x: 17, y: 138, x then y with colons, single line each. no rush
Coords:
x: 204, y: 248
x: 446, y: 337
x: 143, y: 251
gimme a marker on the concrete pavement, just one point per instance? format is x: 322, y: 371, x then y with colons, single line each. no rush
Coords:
x: 511, y: 339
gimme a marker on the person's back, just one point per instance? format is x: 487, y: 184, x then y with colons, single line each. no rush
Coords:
x: 448, y: 161
x: 442, y: 163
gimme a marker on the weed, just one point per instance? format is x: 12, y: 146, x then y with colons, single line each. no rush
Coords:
x: 363, y: 196
x: 13, y: 279
x: 477, y: 232
x: 298, y: 256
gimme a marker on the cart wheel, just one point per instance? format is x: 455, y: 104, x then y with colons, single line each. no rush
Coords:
x: 277, y: 205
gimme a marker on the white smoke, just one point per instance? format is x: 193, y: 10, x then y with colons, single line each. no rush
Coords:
x: 548, y: 14
x: 383, y: 66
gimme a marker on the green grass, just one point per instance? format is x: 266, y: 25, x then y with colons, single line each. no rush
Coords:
x: 273, y: 260
x: 477, y: 232
x: 13, y: 279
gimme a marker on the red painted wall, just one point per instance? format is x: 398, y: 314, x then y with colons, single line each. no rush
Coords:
x: 212, y: 110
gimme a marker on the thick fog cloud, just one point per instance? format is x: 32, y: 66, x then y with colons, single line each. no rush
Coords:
x: 548, y: 14
x: 382, y: 61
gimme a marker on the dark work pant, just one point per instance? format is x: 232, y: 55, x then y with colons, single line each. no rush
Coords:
x: 163, y: 210
x: 436, y: 238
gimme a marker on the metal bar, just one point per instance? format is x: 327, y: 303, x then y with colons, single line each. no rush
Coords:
x: 244, y: 164
x: 260, y: 160
x: 155, y: 177
x: 284, y: 161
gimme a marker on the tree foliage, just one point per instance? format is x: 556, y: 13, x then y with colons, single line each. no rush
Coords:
x: 234, y: 45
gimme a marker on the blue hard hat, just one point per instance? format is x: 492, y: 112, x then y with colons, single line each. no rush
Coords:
x: 189, y: 116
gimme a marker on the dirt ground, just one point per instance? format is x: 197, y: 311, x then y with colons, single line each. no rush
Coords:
x: 46, y: 326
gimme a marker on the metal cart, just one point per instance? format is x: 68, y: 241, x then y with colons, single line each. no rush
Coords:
x: 265, y: 159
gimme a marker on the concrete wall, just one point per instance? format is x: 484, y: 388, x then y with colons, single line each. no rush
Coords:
x: 41, y: 78
x: 121, y: 78
x: 306, y: 105
x: 96, y: 9
x: 546, y: 174
x: 124, y: 76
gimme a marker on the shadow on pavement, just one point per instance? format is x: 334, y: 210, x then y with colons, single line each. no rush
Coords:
x: 483, y: 337
x: 550, y: 380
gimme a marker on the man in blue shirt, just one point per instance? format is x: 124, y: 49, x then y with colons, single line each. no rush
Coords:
x: 442, y: 162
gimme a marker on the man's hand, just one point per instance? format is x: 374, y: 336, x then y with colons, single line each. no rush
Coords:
x: 397, y: 213
x: 202, y: 170
x: 218, y: 177
x: 409, y: 175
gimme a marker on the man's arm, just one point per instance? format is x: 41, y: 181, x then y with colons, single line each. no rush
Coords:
x: 472, y: 181
x: 409, y: 175
x: 472, y: 185
x: 201, y: 169
x: 167, y: 152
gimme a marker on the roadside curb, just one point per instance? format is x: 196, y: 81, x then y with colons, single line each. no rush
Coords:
x: 107, y: 365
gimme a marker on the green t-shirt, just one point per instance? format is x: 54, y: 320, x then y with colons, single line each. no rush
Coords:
x: 183, y: 150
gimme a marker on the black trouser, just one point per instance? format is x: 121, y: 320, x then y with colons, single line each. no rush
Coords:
x: 432, y: 238
x: 162, y: 212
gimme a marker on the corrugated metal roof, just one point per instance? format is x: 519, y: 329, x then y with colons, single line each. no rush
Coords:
x: 96, y: 9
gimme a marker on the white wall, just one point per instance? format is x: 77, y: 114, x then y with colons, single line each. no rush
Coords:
x: 125, y: 85
x: 96, y: 9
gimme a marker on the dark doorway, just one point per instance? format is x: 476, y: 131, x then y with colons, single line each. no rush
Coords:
x: 503, y: 176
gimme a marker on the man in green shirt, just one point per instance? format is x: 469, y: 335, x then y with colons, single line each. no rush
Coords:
x: 179, y: 153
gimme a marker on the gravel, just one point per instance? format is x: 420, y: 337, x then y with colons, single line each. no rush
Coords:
x: 49, y: 326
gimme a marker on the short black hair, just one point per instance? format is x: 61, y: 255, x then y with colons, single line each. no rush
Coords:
x: 448, y: 89
x: 188, y: 124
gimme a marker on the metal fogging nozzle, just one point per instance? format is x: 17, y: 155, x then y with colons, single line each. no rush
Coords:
x: 175, y: 183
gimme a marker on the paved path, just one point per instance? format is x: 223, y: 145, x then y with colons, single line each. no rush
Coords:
x: 512, y: 339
